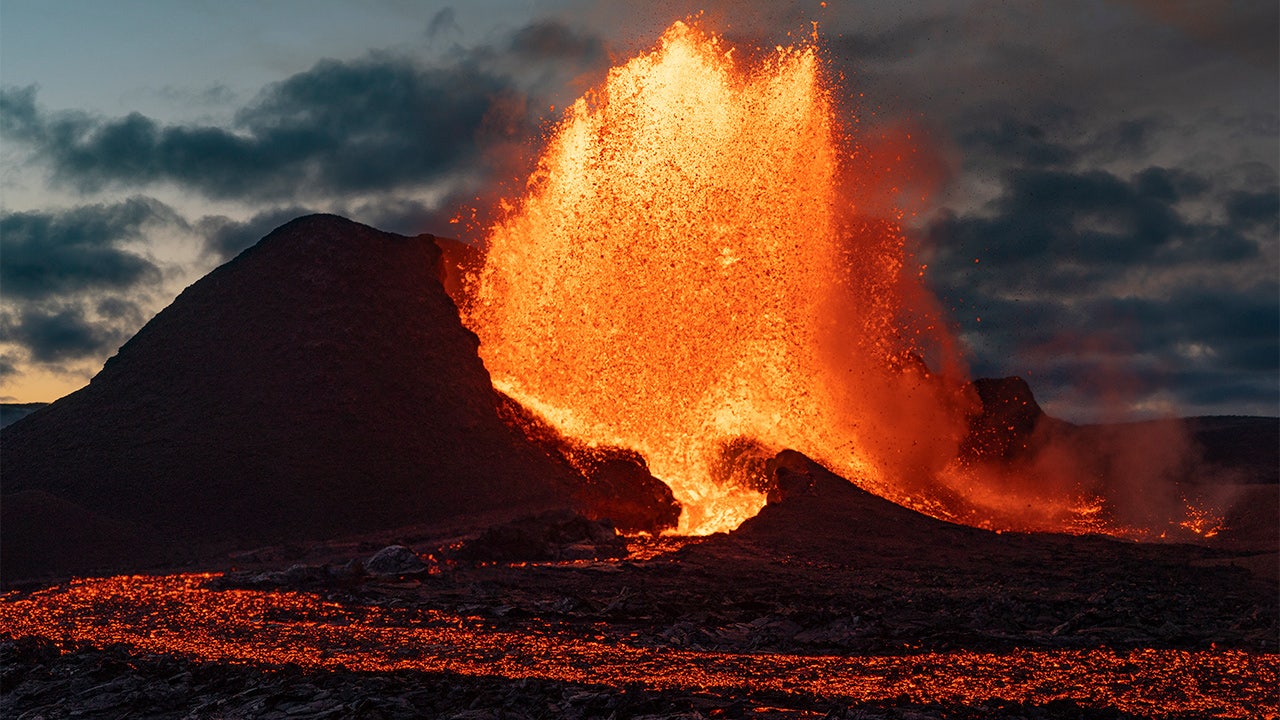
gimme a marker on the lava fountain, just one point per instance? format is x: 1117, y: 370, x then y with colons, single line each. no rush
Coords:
x: 689, y: 269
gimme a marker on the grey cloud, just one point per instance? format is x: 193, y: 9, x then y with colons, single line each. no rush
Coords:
x: 444, y: 21
x: 1053, y: 136
x: 550, y: 39
x: 60, y: 335
x: 19, y: 118
x: 406, y: 216
x: 225, y: 238
x: 374, y: 124
x: 1026, y: 143
x: 1247, y: 29
x: 1099, y: 220
x: 1255, y: 209
x: 48, y: 253
x: 890, y: 44
x: 1062, y: 254
x: 1212, y: 350
x: 8, y: 367
x: 340, y: 127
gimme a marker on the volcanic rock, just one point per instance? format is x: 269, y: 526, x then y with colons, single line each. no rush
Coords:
x: 615, y: 482
x: 395, y: 560
x: 459, y: 261
x: 811, y: 511
x: 318, y: 384
x: 554, y: 535
x: 618, y: 486
x: 1004, y: 426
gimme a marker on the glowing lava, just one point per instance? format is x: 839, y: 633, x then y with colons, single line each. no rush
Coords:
x: 685, y: 270
x: 178, y: 615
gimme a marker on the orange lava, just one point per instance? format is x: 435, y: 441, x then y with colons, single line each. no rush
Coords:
x: 707, y: 267
x: 689, y: 266
x: 176, y: 615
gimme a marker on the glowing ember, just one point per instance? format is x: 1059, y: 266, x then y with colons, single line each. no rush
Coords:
x: 685, y: 271
x: 175, y: 614
x: 1203, y: 521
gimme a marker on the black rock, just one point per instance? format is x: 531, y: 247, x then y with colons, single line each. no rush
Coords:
x: 319, y: 384
x: 1008, y: 417
x: 613, y: 483
x: 556, y: 535
x: 395, y: 560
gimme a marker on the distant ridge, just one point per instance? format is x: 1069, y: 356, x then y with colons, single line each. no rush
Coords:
x: 11, y: 413
x: 318, y: 384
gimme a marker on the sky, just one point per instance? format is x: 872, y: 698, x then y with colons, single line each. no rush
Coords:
x: 1094, y: 187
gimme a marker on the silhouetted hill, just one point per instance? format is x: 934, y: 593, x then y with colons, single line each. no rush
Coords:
x: 318, y: 384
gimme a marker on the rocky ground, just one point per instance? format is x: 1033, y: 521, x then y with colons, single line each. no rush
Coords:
x: 42, y: 680
x: 891, y: 586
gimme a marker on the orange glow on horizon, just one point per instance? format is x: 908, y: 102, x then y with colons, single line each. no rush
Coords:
x: 34, y: 383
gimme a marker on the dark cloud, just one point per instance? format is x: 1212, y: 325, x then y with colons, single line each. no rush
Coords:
x: 407, y: 216
x: 225, y: 238
x: 61, y: 335
x: 120, y: 310
x: 1026, y: 143
x: 340, y: 127
x: 995, y: 139
x: 443, y: 22
x: 1259, y: 210
x: 549, y: 39
x: 1070, y: 271
x: 1128, y: 138
x: 19, y: 119
x: 8, y: 367
x: 893, y: 43
x: 50, y: 253
x: 1247, y: 29
x: 1059, y: 222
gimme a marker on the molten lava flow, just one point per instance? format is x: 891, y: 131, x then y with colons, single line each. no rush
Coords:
x: 178, y: 615
x: 685, y: 272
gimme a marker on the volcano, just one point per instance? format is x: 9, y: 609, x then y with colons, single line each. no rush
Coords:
x: 320, y: 384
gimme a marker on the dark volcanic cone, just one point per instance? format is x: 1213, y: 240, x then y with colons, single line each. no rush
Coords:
x: 814, y: 512
x: 319, y: 384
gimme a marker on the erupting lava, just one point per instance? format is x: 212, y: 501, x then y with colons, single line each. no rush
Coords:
x: 689, y: 275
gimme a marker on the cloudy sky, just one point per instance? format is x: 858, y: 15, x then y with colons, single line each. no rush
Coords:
x: 1095, y: 182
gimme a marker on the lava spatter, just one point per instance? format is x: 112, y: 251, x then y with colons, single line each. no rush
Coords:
x: 685, y: 269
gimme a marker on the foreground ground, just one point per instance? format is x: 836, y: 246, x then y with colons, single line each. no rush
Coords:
x: 830, y: 602
x: 730, y: 626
